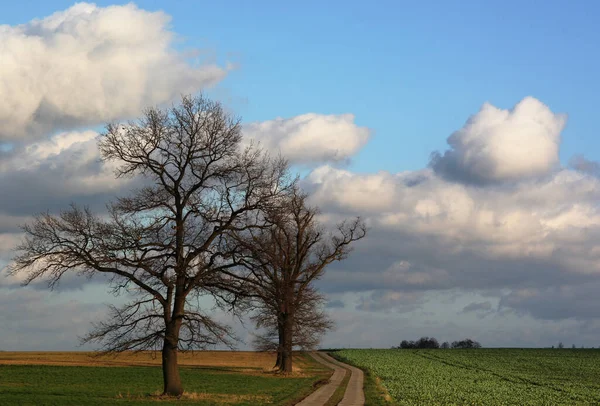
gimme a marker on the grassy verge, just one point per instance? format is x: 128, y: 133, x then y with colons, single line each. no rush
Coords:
x: 139, y: 385
x: 375, y: 393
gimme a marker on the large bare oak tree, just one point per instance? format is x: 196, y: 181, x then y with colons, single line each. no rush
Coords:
x: 282, y: 262
x: 164, y: 244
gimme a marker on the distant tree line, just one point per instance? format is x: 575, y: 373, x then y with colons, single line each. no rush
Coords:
x: 433, y: 343
x: 561, y: 346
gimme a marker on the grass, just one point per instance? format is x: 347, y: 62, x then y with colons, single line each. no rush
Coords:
x: 480, y: 377
x: 230, y: 379
x: 375, y: 393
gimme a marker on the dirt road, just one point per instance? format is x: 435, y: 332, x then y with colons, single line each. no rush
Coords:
x: 354, y: 395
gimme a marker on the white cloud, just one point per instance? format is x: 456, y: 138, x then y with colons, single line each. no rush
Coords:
x: 580, y: 163
x: 357, y: 192
x: 386, y: 300
x: 8, y: 241
x: 310, y: 138
x: 48, y: 175
x: 42, y: 320
x: 498, y: 145
x: 88, y: 65
x: 61, y: 168
x: 518, y: 220
x: 534, y: 227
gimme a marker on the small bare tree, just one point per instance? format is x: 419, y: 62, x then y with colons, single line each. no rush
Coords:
x: 164, y: 245
x: 310, y: 324
x: 282, y: 262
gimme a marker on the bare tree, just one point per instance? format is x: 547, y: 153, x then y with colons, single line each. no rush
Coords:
x: 283, y: 261
x: 310, y: 324
x: 164, y: 245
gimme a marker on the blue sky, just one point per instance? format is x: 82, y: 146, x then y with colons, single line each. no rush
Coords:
x: 411, y: 71
x: 498, y: 238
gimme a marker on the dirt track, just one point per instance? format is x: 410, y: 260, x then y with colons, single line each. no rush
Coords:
x: 354, y: 395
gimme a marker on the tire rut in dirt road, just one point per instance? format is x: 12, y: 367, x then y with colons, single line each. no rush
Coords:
x: 353, y: 396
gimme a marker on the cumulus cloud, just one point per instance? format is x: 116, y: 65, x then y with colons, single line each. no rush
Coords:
x: 387, y: 300
x: 331, y: 186
x: 335, y: 304
x: 580, y: 163
x: 477, y: 306
x: 48, y: 175
x: 577, y: 302
x: 51, y: 173
x: 88, y: 65
x: 310, y: 138
x: 529, y: 219
x: 8, y: 241
x: 497, y: 145
x: 437, y: 235
x: 480, y: 309
x: 41, y: 320
x: 534, y: 228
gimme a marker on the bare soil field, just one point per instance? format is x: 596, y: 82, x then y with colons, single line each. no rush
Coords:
x: 225, y: 359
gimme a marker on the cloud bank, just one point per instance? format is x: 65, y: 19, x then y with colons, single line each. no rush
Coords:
x: 495, y: 215
x: 88, y: 65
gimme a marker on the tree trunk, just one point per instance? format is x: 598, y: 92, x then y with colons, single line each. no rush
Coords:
x: 286, y: 354
x: 279, y: 346
x: 171, y: 378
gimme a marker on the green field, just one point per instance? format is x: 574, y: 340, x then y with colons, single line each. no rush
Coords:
x: 483, y: 376
x: 135, y: 385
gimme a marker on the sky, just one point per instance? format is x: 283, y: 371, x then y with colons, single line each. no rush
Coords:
x: 464, y: 134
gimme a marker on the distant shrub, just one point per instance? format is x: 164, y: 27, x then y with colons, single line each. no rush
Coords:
x: 421, y: 343
x: 428, y: 343
x: 465, y: 344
